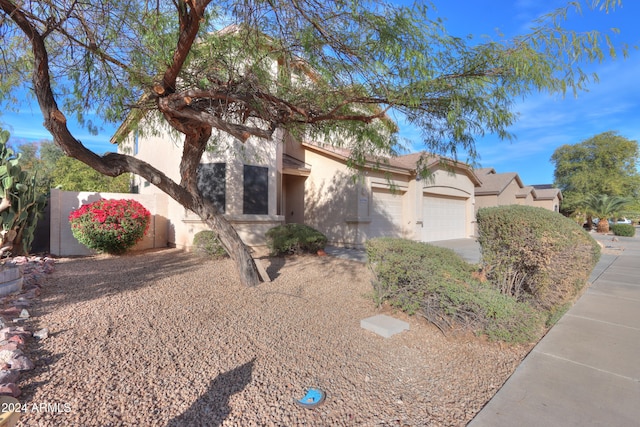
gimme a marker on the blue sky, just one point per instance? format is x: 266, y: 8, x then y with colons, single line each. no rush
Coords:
x: 545, y: 122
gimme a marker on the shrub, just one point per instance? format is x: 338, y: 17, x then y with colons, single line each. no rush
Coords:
x: 111, y: 226
x: 535, y: 254
x: 294, y: 239
x: 206, y: 243
x: 439, y: 285
x: 626, y: 230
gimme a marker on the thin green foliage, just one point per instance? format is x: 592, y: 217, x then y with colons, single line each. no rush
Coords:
x: 438, y: 284
x: 294, y: 239
x: 626, y: 230
x: 207, y: 243
x: 547, y: 256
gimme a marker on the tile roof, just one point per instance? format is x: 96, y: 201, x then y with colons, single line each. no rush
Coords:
x: 495, y: 183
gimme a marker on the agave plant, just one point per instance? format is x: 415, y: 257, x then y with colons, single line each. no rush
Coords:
x: 603, y: 206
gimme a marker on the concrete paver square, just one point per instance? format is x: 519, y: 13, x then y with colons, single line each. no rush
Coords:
x: 383, y: 325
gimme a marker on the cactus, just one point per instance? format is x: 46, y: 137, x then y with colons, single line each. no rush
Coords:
x: 21, y: 206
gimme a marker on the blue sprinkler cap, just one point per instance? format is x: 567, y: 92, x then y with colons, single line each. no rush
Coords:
x: 313, y: 398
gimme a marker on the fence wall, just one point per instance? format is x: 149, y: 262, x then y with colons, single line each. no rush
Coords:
x: 62, y: 242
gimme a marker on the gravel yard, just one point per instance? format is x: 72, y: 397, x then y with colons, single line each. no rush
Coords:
x: 168, y: 339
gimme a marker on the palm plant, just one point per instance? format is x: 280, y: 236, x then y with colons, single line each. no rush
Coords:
x: 603, y: 206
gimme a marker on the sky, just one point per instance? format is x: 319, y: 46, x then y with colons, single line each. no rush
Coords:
x: 545, y: 122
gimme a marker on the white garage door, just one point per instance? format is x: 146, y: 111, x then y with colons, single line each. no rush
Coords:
x: 386, y: 214
x: 444, y: 218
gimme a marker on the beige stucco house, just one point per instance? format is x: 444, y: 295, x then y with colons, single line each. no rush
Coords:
x: 380, y: 199
x: 498, y: 189
x: 260, y: 184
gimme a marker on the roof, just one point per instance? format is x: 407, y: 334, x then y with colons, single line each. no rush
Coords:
x: 548, y: 193
x: 495, y: 183
x: 406, y: 164
x: 525, y: 191
x: 484, y: 171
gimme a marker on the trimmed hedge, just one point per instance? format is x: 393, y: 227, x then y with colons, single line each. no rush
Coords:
x: 294, y: 239
x: 206, y: 243
x: 439, y: 285
x: 535, y: 255
x: 626, y: 230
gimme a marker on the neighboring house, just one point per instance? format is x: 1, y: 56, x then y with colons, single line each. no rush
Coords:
x: 548, y: 197
x: 500, y: 189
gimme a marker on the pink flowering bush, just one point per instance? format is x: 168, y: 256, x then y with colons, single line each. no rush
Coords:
x: 111, y: 226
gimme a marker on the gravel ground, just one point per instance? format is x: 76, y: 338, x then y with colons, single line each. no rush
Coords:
x: 168, y: 339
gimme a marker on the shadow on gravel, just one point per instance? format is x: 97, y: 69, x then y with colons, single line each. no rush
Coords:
x: 212, y: 408
x: 88, y: 278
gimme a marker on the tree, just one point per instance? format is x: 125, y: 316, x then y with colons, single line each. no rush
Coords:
x: 73, y: 175
x: 341, y: 66
x: 604, y: 164
x: 603, y: 207
x: 39, y: 158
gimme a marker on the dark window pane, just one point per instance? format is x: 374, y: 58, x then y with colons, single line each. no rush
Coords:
x: 256, y: 190
x: 212, y: 180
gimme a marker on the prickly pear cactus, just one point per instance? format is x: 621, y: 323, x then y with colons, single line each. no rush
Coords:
x: 20, y: 206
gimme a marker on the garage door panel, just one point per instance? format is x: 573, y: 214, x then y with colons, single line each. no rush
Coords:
x: 444, y: 218
x: 386, y: 214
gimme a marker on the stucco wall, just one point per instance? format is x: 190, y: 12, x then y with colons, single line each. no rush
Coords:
x: 62, y: 242
x: 331, y: 199
x: 551, y: 204
x: 164, y: 152
x: 508, y: 195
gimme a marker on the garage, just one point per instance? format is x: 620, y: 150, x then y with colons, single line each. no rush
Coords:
x: 386, y: 214
x: 444, y: 218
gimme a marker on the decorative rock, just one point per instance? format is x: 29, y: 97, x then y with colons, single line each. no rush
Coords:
x: 24, y: 314
x: 7, y: 355
x: 10, y: 346
x: 9, y: 376
x: 21, y: 363
x: 9, y: 389
x: 10, y: 312
x: 41, y: 334
x: 18, y: 339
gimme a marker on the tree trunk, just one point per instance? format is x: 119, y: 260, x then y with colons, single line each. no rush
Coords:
x: 603, y: 225
x: 113, y: 164
x: 235, y: 247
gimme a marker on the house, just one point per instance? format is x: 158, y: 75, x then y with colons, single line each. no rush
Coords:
x: 386, y: 199
x: 260, y: 184
x: 548, y: 197
x: 499, y: 189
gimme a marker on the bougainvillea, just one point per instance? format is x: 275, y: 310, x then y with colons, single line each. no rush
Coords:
x: 111, y: 226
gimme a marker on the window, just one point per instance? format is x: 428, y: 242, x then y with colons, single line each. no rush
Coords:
x: 212, y: 183
x: 255, y: 198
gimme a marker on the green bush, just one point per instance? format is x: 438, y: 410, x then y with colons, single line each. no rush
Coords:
x: 207, y: 243
x: 626, y: 230
x: 439, y: 285
x: 535, y: 254
x: 111, y: 226
x: 294, y: 239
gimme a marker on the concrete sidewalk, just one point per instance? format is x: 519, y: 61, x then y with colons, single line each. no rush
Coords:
x: 586, y: 370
